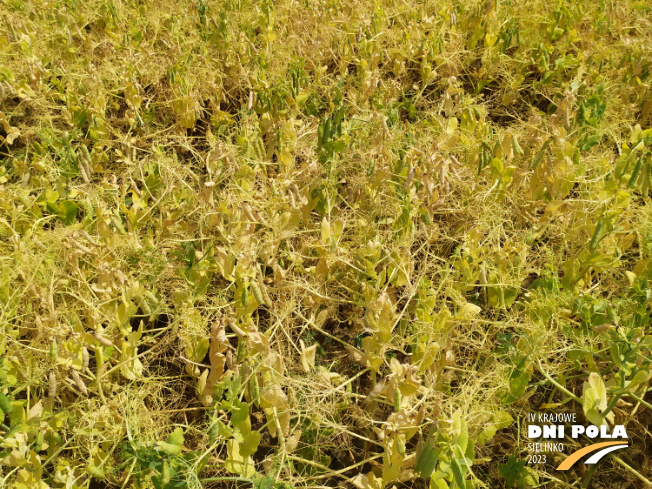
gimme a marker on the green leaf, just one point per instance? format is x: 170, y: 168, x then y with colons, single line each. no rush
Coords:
x: 518, y: 383
x: 176, y: 437
x: 496, y: 167
x: 201, y: 348
x: 586, y: 144
x: 67, y: 211
x: 501, y: 421
x: 513, y: 471
x: 250, y: 443
x: 167, y: 448
x: 641, y: 377
x: 240, y: 417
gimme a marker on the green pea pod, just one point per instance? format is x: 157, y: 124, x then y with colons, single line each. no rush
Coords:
x: 539, y: 157
x: 516, y: 147
x: 95, y: 472
x: 458, y: 473
x: 241, y: 351
x: 327, y: 131
x: 254, y: 388
x: 427, y: 462
x: 423, y: 454
x: 166, y: 475
x: 431, y: 463
x: 213, y: 432
x: 38, y: 443
x: 85, y: 153
x: 597, y: 235
x: 635, y: 173
x: 5, y: 405
x: 613, y: 317
x: 397, y: 400
x: 400, y: 446
x: 55, y: 439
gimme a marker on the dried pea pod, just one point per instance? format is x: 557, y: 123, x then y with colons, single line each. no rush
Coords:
x: 85, y: 358
x: 103, y: 339
x: 234, y: 327
x: 52, y: 384
x: 79, y: 382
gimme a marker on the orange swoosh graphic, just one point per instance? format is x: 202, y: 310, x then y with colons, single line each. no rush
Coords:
x: 575, y: 456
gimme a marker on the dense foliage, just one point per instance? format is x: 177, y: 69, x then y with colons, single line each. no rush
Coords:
x: 306, y: 243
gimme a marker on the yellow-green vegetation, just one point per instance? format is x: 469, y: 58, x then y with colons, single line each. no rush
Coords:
x: 311, y: 243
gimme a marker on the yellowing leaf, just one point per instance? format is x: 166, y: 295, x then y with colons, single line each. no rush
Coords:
x: 631, y: 277
x: 325, y: 230
x: 429, y: 355
x: 594, y: 399
x: 596, y: 382
x: 308, y: 356
x: 14, y: 132
x: 35, y: 411
x: 176, y: 437
x: 469, y: 310
x: 236, y: 463
x: 167, y: 448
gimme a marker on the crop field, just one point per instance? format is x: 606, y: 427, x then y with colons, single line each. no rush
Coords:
x: 325, y: 244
